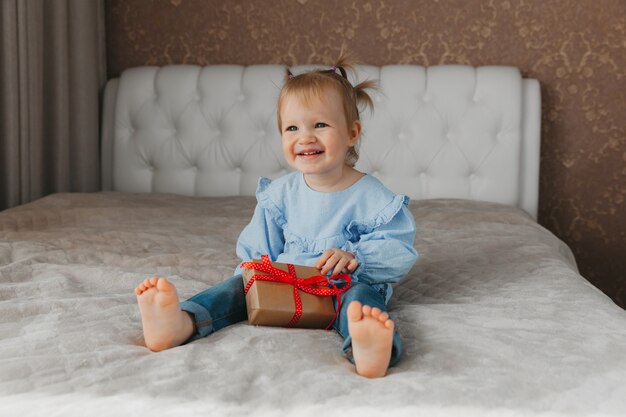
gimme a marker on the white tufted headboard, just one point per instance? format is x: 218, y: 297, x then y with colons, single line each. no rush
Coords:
x: 438, y: 132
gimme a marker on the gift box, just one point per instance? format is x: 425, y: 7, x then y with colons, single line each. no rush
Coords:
x: 271, y: 299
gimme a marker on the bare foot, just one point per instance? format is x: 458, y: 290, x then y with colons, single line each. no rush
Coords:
x: 372, y: 337
x: 165, y: 325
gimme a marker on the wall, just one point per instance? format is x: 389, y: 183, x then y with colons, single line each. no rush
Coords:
x: 577, y: 50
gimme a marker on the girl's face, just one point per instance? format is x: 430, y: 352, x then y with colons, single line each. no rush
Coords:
x: 315, y: 136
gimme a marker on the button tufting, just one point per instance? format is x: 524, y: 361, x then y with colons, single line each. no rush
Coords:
x: 401, y: 136
x: 426, y: 98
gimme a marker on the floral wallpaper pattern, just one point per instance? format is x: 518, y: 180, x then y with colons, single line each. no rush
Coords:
x: 576, y: 49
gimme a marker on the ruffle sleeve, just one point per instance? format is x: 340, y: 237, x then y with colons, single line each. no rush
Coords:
x: 383, y: 245
x: 264, y: 234
x: 358, y: 227
x: 264, y: 199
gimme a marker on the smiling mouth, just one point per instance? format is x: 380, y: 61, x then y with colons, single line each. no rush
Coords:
x: 310, y: 153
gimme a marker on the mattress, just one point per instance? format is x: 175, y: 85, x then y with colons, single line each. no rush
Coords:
x: 494, y: 317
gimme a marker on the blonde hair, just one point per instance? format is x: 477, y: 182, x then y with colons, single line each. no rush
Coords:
x: 313, y: 84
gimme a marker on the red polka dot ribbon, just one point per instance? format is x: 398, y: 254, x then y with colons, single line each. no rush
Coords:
x: 317, y: 285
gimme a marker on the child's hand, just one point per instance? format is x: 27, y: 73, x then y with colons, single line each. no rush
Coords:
x: 342, y: 261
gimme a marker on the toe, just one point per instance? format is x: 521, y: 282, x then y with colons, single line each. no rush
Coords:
x: 389, y: 324
x: 376, y: 312
x: 164, y: 285
x: 383, y: 317
x: 354, y: 311
x: 367, y: 310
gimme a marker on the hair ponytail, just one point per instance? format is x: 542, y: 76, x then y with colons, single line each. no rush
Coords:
x: 345, y: 62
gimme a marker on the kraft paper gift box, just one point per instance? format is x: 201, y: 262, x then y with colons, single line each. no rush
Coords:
x: 273, y: 304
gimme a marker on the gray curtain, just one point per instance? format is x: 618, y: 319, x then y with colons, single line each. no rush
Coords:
x: 52, y: 70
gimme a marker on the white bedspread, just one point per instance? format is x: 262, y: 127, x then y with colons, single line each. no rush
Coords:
x: 494, y: 318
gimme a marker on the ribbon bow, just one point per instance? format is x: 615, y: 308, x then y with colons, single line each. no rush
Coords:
x: 317, y: 285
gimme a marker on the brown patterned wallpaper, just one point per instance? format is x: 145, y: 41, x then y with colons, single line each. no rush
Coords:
x: 576, y: 49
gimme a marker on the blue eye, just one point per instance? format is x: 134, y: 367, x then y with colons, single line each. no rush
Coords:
x: 320, y: 125
x: 291, y: 129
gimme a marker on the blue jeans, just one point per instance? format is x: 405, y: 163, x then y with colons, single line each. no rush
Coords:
x: 225, y: 304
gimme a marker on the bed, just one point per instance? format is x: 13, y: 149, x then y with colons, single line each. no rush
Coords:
x: 495, y: 318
